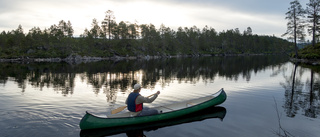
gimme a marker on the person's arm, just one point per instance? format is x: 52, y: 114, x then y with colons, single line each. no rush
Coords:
x: 141, y: 99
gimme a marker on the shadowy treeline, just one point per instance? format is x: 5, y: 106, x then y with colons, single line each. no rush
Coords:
x: 130, y: 39
x: 123, y: 74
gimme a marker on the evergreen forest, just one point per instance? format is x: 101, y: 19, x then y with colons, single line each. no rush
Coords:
x: 109, y: 38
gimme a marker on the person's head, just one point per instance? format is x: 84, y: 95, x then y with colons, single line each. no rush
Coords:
x: 137, y: 87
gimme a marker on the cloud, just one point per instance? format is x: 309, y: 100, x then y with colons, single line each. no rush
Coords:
x: 264, y: 17
x: 256, y: 6
x: 44, y: 13
x: 223, y: 17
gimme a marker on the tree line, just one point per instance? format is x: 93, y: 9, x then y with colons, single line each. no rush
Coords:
x: 300, y: 18
x: 110, y: 38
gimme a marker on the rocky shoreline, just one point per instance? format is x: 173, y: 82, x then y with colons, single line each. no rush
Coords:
x: 70, y: 59
x: 80, y: 59
x: 306, y: 61
x: 84, y: 59
x: 77, y: 59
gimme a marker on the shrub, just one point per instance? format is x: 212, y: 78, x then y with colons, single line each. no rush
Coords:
x: 310, y: 52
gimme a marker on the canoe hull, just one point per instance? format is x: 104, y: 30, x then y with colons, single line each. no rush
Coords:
x: 208, y: 113
x: 90, y: 121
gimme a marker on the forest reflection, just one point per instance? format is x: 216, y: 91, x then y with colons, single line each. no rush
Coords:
x: 302, y: 85
x: 121, y: 75
x: 302, y: 93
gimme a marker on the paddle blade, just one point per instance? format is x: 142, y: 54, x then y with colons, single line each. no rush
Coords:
x: 118, y: 110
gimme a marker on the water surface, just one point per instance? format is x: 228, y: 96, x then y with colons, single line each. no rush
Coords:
x: 264, y: 94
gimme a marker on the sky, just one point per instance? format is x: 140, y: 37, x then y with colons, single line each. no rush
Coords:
x: 265, y: 17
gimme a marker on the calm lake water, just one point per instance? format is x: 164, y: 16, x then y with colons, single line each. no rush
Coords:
x: 267, y: 95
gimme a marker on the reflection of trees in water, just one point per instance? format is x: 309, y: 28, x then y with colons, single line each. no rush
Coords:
x: 300, y: 94
x: 310, y: 100
x: 60, y: 81
x: 291, y: 95
x: 109, y: 77
x: 112, y: 77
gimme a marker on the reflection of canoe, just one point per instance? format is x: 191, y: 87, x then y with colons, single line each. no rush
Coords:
x: 171, y: 111
x: 211, y: 112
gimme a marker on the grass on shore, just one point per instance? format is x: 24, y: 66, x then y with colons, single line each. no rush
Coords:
x: 309, y: 52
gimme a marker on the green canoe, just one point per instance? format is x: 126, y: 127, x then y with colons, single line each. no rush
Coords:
x: 171, y: 111
x: 208, y: 113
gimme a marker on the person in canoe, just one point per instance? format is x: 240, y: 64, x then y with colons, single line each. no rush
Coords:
x: 135, y: 102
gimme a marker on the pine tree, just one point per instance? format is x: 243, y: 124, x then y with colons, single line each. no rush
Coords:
x: 295, y: 25
x: 108, y: 22
x: 313, y: 9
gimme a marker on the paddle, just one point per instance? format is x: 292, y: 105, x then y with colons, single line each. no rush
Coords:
x: 119, y: 109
